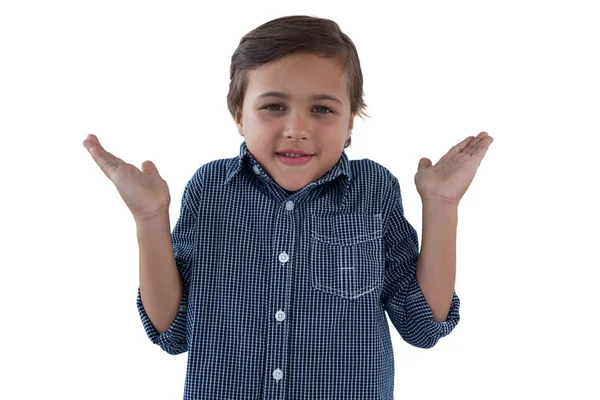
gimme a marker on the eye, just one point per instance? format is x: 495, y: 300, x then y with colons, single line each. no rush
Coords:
x: 273, y: 105
x: 326, y: 110
x: 279, y: 107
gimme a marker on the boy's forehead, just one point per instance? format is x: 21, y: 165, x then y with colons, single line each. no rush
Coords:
x: 299, y: 74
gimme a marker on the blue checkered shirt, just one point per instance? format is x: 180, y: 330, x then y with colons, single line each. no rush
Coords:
x: 285, y: 294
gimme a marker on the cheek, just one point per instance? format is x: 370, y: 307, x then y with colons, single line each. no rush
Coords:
x: 334, y: 129
x: 267, y: 120
x: 335, y: 132
x: 266, y: 126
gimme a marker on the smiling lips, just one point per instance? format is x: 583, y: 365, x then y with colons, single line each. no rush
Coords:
x: 292, y: 152
x: 294, y: 157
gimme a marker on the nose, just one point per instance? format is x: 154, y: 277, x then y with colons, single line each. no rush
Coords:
x: 298, y: 126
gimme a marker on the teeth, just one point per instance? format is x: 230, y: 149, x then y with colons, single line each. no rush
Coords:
x: 291, y: 155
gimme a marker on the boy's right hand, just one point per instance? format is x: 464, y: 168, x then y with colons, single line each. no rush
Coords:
x: 144, y: 192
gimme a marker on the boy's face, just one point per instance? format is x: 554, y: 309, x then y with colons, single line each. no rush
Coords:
x: 282, y: 111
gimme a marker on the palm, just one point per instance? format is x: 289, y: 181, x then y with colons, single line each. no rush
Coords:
x: 144, y: 191
x: 451, y: 176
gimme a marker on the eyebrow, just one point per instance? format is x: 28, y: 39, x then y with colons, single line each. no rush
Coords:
x: 286, y: 96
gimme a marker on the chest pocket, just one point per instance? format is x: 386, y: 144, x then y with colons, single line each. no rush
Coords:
x: 346, y: 254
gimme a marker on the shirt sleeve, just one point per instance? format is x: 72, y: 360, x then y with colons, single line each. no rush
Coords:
x: 402, y: 296
x: 175, y: 340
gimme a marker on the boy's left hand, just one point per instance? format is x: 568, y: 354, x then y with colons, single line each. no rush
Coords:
x: 448, y: 180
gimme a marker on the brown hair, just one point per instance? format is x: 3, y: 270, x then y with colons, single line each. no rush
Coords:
x: 295, y: 34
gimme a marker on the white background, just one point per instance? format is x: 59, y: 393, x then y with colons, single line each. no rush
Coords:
x: 150, y: 80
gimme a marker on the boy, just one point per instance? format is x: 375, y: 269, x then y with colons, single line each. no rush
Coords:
x: 284, y: 260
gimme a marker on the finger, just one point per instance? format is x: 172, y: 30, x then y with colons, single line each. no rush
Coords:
x: 483, y: 146
x: 149, y: 168
x: 474, y: 144
x: 95, y: 143
x: 424, y: 162
x: 107, y: 161
x: 461, y: 146
x: 90, y: 142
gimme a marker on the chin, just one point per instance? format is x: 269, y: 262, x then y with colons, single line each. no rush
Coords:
x: 294, y: 187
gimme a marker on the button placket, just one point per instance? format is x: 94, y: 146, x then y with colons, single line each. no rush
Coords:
x: 284, y: 234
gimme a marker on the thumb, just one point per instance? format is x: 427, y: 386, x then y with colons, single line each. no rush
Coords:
x: 149, y: 168
x: 424, y: 163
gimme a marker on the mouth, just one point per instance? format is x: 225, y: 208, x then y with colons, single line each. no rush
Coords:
x: 294, y: 155
x: 291, y: 152
x: 294, y: 159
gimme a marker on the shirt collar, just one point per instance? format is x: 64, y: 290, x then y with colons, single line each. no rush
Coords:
x: 246, y: 160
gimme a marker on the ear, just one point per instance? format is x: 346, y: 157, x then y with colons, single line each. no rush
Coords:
x: 238, y: 121
x: 350, y: 125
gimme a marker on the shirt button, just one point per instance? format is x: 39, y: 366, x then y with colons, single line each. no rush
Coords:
x: 283, y: 257
x: 256, y: 170
x: 289, y: 205
x: 279, y: 315
x: 277, y: 374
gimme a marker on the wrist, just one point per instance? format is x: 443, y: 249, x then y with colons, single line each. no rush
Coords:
x: 440, y: 207
x: 158, y: 219
x: 441, y: 200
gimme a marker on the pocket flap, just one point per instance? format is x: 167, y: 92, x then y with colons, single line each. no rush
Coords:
x: 346, y: 229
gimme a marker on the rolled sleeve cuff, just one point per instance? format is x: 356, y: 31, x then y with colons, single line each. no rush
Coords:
x: 173, y: 340
x: 418, y: 311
